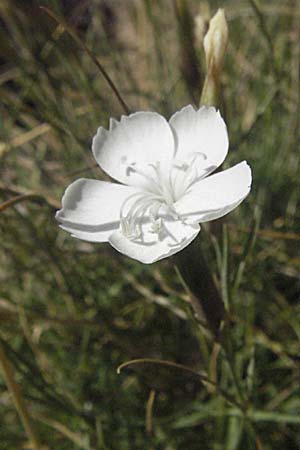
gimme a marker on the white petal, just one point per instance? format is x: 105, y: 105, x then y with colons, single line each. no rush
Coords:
x: 91, y: 234
x: 140, y: 139
x: 203, y: 132
x: 216, y: 195
x: 91, y: 208
x: 178, y: 235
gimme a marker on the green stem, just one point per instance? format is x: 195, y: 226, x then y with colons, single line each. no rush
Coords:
x: 205, y: 298
x: 210, y: 95
x: 227, y: 348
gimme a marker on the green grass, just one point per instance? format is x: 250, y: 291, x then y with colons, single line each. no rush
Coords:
x: 72, y: 312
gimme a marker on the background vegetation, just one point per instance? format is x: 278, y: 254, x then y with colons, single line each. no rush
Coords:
x: 70, y: 311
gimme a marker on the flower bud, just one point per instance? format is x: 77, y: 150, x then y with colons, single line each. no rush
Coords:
x: 215, y: 42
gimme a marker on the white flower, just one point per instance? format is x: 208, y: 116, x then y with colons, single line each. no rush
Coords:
x: 165, y: 192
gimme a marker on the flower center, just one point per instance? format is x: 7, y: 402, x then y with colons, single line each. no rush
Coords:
x: 161, y: 187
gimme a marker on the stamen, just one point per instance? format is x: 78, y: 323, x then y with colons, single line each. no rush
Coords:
x: 155, y: 202
x: 153, y: 184
x: 138, y: 204
x: 164, y: 182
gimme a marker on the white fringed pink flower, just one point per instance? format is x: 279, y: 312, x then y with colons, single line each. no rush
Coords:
x: 165, y: 192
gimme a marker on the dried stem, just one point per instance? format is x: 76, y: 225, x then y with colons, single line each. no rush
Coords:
x: 81, y: 44
x: 203, y: 379
x: 149, y: 412
x: 14, y: 389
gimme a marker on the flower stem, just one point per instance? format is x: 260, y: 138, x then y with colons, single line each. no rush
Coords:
x: 210, y: 95
x: 205, y: 297
x: 14, y: 389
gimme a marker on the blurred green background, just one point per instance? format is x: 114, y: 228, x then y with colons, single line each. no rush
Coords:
x: 71, y: 312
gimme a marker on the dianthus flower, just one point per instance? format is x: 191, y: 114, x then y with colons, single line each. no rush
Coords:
x: 164, y: 191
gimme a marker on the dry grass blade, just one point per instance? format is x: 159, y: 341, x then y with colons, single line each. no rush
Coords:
x: 17, y: 141
x: 20, y: 196
x: 204, y: 379
x: 149, y: 412
x: 18, y: 199
x: 74, y: 437
x: 269, y: 234
x: 18, y: 400
x: 76, y: 38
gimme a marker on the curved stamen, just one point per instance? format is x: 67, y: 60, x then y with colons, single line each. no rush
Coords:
x: 153, y: 183
x: 191, y: 175
x: 137, y: 194
x: 164, y: 183
x: 131, y: 221
x: 154, y: 204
